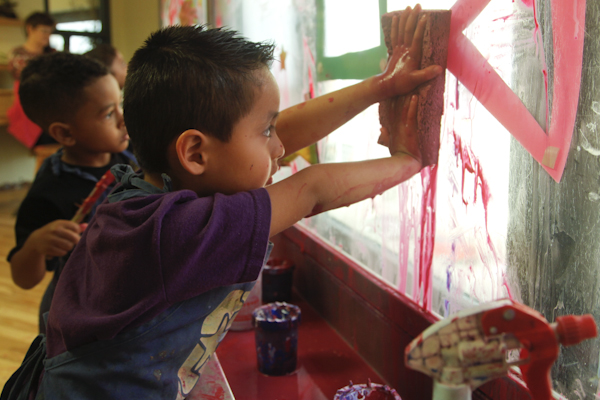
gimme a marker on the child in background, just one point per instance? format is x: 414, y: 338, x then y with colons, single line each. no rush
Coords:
x: 78, y: 102
x: 112, y: 59
x: 167, y: 262
x: 38, y: 27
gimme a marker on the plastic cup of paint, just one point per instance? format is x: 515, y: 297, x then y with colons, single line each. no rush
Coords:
x: 277, y: 277
x: 368, y: 391
x: 276, y: 338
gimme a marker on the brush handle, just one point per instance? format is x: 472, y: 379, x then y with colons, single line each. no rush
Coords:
x: 95, y: 194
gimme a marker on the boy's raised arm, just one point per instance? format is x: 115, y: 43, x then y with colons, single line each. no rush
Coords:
x: 302, y: 125
x: 325, y: 187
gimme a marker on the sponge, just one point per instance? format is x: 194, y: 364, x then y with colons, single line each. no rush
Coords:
x: 431, y: 95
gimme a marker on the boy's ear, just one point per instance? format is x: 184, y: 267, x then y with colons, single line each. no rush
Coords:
x: 61, y: 132
x: 191, y: 148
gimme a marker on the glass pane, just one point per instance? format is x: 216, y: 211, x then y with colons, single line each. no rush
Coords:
x: 350, y: 26
x: 80, y: 26
x: 57, y: 42
x: 80, y: 44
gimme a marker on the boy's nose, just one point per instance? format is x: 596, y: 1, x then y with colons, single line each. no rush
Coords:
x: 120, y: 118
x: 279, y: 150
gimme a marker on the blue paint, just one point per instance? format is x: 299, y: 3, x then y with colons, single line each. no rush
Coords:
x: 276, y: 337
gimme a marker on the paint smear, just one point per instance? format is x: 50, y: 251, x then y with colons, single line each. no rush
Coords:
x: 473, y: 71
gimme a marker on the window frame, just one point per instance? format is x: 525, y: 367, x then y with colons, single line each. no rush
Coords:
x: 102, y: 37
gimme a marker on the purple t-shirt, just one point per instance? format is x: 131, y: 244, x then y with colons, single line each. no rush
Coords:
x: 147, y: 252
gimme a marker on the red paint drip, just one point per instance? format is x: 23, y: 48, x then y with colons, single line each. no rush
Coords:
x: 427, y: 239
x: 311, y: 85
x: 503, y: 18
x: 470, y: 163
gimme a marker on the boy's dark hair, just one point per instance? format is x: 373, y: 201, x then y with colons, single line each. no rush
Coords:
x: 51, y: 87
x: 105, y: 53
x: 189, y: 78
x: 39, y: 18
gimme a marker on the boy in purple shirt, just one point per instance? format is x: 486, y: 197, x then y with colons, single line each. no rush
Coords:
x: 168, y: 261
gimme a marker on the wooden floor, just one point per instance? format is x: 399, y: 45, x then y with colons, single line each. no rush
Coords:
x: 18, y: 307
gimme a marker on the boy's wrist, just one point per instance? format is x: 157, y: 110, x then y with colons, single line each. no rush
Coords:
x: 377, y: 91
x: 404, y: 154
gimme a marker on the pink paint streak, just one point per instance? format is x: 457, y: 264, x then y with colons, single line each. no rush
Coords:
x: 528, y: 3
x: 427, y: 240
x: 471, y: 68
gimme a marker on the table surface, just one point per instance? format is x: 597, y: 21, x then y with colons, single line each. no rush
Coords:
x: 326, y: 363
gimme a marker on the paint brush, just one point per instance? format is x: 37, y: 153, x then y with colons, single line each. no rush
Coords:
x: 95, y: 194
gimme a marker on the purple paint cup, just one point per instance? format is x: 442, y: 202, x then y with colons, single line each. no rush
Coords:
x: 276, y: 337
x: 369, y: 391
x: 277, y: 278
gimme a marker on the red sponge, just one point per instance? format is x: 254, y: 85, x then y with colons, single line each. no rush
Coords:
x: 431, y: 96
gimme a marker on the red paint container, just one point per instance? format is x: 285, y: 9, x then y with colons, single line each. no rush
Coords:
x: 369, y: 391
x: 277, y: 279
x: 276, y: 338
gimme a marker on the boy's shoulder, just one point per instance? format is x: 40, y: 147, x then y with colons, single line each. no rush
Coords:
x: 56, y: 180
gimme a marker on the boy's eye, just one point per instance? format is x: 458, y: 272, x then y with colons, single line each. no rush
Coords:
x: 268, y: 131
x: 109, y: 115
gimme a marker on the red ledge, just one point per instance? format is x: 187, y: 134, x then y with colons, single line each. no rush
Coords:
x: 325, y: 363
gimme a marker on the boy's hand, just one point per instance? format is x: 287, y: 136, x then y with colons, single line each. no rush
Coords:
x: 402, y: 73
x: 404, y: 137
x: 55, y: 239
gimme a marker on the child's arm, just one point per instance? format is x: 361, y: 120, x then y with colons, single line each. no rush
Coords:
x: 324, y: 187
x: 305, y: 124
x: 56, y: 239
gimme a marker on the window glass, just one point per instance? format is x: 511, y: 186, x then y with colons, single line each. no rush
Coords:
x: 350, y: 27
x: 57, y: 42
x: 80, y: 23
x: 80, y: 44
x: 80, y: 26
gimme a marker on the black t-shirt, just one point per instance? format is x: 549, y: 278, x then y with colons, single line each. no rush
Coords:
x: 56, y: 193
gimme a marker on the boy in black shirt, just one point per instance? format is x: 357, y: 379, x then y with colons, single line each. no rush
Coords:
x: 78, y: 102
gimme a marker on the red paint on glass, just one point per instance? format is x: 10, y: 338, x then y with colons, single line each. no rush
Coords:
x: 471, y: 164
x: 427, y: 242
x: 473, y: 70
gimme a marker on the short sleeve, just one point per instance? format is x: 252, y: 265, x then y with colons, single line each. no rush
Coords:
x: 226, y: 245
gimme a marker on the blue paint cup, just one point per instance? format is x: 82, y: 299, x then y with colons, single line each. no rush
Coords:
x: 276, y: 338
x: 277, y: 278
x: 368, y: 391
